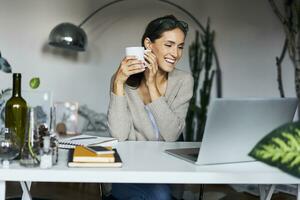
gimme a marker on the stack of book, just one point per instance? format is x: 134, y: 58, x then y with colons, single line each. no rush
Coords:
x: 94, y: 156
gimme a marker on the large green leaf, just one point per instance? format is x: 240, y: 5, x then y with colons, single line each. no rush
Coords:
x: 281, y: 148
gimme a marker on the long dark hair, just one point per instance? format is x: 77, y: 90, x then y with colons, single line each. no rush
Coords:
x: 153, y: 31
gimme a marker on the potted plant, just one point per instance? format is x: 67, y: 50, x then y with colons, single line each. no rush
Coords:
x: 201, y: 54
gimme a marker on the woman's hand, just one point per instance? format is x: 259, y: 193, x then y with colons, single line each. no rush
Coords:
x: 151, y: 68
x: 150, y: 75
x: 129, y: 65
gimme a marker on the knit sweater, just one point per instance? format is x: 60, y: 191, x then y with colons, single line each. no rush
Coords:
x: 128, y: 119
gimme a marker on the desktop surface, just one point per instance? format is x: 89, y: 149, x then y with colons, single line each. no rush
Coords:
x: 146, y: 162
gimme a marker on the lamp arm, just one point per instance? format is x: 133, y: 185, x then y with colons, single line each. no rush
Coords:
x: 101, y: 8
x: 164, y: 1
x: 186, y: 12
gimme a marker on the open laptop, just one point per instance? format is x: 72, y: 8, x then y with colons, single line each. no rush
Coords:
x: 234, y: 126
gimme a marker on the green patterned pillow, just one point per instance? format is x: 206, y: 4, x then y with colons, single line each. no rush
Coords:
x: 281, y: 148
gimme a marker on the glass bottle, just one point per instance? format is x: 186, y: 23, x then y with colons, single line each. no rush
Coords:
x: 31, y: 149
x: 16, y: 110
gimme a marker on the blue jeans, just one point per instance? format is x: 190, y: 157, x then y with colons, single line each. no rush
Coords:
x: 130, y: 191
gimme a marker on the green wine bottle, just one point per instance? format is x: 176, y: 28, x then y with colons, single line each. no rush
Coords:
x: 16, y: 111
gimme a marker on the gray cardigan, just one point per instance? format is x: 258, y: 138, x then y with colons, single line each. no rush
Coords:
x: 128, y: 119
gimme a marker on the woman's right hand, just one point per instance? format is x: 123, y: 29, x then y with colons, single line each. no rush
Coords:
x: 129, y: 66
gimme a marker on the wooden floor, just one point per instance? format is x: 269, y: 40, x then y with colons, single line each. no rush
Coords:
x: 90, y: 191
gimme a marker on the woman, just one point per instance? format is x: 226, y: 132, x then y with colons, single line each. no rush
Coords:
x: 149, y: 100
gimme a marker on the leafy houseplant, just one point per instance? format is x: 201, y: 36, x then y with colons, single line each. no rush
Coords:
x: 290, y: 20
x: 281, y: 148
x: 201, y: 59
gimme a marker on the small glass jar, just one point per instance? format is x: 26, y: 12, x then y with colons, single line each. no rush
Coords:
x: 44, y: 132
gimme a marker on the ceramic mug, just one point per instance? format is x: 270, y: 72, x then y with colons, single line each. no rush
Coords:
x: 137, y: 52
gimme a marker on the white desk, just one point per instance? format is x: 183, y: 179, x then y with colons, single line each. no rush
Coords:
x: 146, y: 162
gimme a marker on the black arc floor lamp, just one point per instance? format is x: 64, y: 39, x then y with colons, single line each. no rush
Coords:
x: 73, y: 37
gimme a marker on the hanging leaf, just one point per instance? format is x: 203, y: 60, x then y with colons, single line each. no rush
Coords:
x: 34, y: 82
x: 281, y: 149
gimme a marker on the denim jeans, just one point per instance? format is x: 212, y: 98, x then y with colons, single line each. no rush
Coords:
x: 131, y: 191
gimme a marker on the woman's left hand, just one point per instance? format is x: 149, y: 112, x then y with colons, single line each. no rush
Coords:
x: 151, y: 68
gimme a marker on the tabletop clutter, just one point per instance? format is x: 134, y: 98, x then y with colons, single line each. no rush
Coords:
x: 41, y: 148
x: 33, y: 140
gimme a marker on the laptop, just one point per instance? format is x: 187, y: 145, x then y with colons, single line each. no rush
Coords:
x: 234, y: 126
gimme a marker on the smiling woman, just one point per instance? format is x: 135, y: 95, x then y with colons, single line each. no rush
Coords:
x: 149, y: 99
x: 156, y: 84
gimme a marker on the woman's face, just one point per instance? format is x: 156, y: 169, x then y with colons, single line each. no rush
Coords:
x: 168, y: 49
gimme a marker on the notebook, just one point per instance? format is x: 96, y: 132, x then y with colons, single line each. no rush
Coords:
x: 234, y: 126
x: 101, y: 150
x: 117, y: 163
x: 83, y: 154
x: 86, y: 140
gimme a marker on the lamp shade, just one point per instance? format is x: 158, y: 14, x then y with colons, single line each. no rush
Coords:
x: 68, y: 36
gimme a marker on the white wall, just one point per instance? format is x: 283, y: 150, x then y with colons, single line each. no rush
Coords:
x: 248, y: 37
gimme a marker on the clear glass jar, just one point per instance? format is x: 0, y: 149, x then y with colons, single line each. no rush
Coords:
x: 30, y: 152
x: 9, y: 145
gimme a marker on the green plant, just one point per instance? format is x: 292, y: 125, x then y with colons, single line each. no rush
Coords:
x: 289, y: 17
x: 200, y: 59
x: 281, y: 148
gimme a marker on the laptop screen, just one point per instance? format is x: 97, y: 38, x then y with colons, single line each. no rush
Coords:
x: 234, y: 126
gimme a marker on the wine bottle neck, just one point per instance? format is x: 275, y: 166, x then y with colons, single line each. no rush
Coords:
x: 17, y: 86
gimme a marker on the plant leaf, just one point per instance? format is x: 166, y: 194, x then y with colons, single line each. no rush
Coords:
x: 34, y: 82
x: 281, y: 148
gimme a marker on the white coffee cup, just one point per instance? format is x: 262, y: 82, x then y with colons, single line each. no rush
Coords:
x: 138, y: 52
